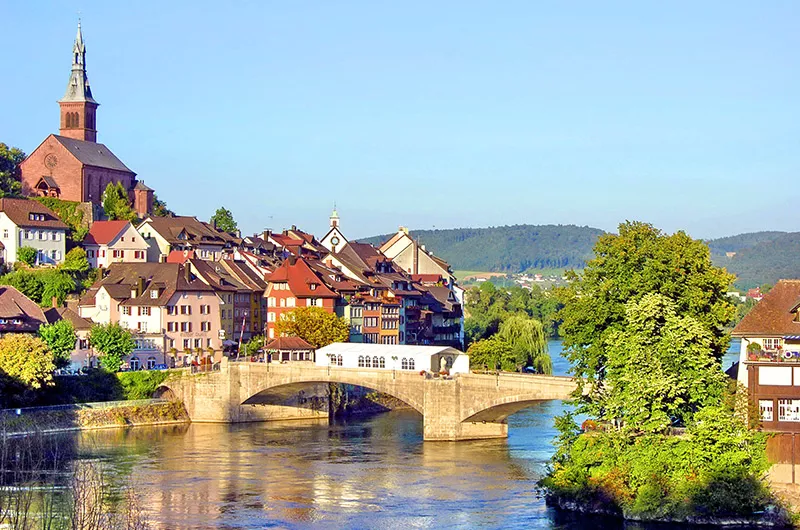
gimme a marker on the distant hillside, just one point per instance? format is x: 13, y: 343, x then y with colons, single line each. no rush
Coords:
x: 770, y: 257
x: 508, y: 248
x: 741, y: 241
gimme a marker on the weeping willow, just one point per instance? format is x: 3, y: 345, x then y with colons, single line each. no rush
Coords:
x: 528, y: 343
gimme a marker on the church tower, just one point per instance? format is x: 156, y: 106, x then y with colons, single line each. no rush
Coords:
x: 78, y: 107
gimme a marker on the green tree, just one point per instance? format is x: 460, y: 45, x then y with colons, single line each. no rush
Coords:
x: 113, y: 342
x: 116, y: 204
x: 76, y: 262
x: 27, y: 255
x: 626, y: 267
x: 160, y: 208
x: 56, y: 284
x: 528, y: 343
x: 314, y: 325
x: 223, y: 220
x: 60, y: 338
x: 252, y: 346
x: 10, y: 158
x: 26, y: 281
x: 26, y: 359
x: 491, y: 353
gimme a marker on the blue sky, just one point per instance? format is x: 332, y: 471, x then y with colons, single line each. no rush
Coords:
x: 423, y: 114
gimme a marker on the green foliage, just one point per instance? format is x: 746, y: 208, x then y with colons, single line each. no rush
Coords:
x: 113, y: 342
x: 487, y: 306
x: 223, y: 220
x: 491, y: 354
x: 60, y: 338
x: 252, y: 346
x: 70, y: 213
x: 26, y: 359
x: 314, y: 325
x: 40, y: 285
x: 116, y: 204
x: 528, y: 343
x: 160, y: 208
x: 76, y: 262
x: 27, y: 255
x: 141, y: 384
x: 761, y: 257
x: 509, y: 248
x: 10, y: 158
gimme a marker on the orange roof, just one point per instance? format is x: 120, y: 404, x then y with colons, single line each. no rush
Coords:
x: 289, y: 343
x: 103, y: 232
x: 300, y: 277
x: 774, y: 314
x: 180, y: 256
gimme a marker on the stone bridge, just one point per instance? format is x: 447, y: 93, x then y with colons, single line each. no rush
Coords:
x: 464, y: 407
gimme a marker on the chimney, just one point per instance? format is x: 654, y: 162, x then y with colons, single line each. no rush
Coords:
x: 140, y: 286
x: 294, y: 228
x: 265, y: 235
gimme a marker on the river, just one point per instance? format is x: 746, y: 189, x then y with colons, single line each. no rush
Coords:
x: 369, y: 472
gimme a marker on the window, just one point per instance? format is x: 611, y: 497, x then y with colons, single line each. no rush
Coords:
x: 138, y: 254
x: 374, y: 362
x: 187, y: 343
x: 5, y: 233
x: 772, y: 344
x: 172, y: 310
x: 42, y: 235
x: 765, y: 405
x: 313, y: 286
x: 367, y: 362
x: 283, y: 302
x: 208, y: 343
x: 312, y: 302
x: 404, y: 364
x: 103, y: 253
x: 172, y: 326
x: 338, y: 360
x: 151, y: 363
x: 382, y: 362
x: 145, y: 311
x: 117, y: 253
x: 290, y: 301
x: 135, y: 364
x: 411, y: 364
x: 205, y: 309
x: 198, y: 343
x: 186, y: 310
x: 361, y: 361
x: 56, y: 236
x: 142, y: 326
x: 153, y: 293
x: 371, y: 338
x: 389, y: 339
x: 205, y: 326
x: 788, y: 410
x: 186, y: 327
x: 370, y: 322
x: 126, y: 310
x: 270, y: 317
x: 270, y: 301
x: 28, y: 234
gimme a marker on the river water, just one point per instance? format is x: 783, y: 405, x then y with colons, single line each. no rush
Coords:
x: 370, y: 472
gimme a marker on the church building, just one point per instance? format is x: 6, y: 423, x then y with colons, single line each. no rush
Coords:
x: 71, y: 165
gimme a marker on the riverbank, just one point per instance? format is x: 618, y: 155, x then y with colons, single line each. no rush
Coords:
x: 87, y: 416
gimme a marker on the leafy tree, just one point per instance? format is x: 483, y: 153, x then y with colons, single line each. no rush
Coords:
x: 160, y: 208
x: 223, y: 220
x: 10, y: 158
x: 56, y: 284
x: 528, y: 343
x: 626, y: 267
x: 40, y: 285
x: 26, y: 281
x: 252, y: 346
x: 71, y: 213
x: 314, y: 325
x: 27, y: 255
x: 26, y: 359
x: 60, y: 338
x: 491, y: 353
x: 116, y: 204
x: 75, y: 261
x: 113, y: 342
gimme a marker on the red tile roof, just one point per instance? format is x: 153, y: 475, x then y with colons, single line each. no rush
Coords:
x: 180, y: 256
x: 289, y: 343
x: 103, y: 232
x: 300, y: 277
x: 773, y: 315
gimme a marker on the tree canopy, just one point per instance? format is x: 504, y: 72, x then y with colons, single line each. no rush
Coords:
x: 26, y: 359
x: 113, y: 342
x: 41, y: 285
x: 60, y: 338
x: 116, y: 203
x: 27, y: 255
x: 10, y: 158
x: 223, y: 220
x: 160, y: 208
x: 314, y: 325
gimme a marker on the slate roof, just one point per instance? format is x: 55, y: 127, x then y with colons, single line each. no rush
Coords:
x: 92, y: 154
x: 196, y: 231
x: 16, y: 306
x: 773, y: 315
x: 20, y: 210
x: 104, y: 232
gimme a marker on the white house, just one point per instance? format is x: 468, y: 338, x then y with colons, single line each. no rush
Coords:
x: 114, y: 242
x: 393, y: 357
x: 28, y: 223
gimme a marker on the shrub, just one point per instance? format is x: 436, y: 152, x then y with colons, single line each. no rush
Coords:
x: 27, y: 255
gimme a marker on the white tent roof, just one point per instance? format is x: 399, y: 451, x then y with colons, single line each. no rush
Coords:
x: 388, y: 350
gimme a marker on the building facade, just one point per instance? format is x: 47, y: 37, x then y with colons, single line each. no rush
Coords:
x: 28, y: 223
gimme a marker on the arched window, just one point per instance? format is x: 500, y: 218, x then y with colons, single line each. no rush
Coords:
x: 77, y: 119
x: 367, y: 362
x: 374, y: 362
x: 361, y: 361
x: 135, y: 364
x: 151, y: 363
x: 404, y: 364
x: 383, y: 362
x: 411, y: 364
x: 338, y: 360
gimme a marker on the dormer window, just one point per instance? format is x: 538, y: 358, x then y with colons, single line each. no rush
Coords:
x: 36, y: 217
x: 154, y: 293
x: 313, y: 286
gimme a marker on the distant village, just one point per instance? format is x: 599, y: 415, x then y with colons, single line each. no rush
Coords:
x: 187, y: 289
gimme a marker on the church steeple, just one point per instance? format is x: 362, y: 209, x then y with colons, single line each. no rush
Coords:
x: 78, y: 107
x: 334, y: 217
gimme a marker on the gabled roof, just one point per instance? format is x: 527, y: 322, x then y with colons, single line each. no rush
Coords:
x: 55, y: 314
x: 92, y: 154
x: 289, y: 344
x: 773, y: 315
x: 300, y: 277
x: 16, y: 306
x: 196, y: 231
x: 104, y: 232
x: 21, y: 210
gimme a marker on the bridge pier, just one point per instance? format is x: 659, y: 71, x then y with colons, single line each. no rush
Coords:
x: 442, y: 415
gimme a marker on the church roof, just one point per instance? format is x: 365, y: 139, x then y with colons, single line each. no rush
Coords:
x: 78, y: 88
x: 92, y: 154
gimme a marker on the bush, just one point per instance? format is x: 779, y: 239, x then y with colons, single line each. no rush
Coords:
x: 141, y: 384
x: 27, y: 255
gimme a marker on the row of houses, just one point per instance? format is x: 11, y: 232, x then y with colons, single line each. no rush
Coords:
x: 188, y: 290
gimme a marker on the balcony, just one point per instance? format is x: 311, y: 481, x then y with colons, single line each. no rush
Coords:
x: 775, y: 356
x: 444, y: 330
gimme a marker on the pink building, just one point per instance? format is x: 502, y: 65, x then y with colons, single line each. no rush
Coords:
x: 114, y: 242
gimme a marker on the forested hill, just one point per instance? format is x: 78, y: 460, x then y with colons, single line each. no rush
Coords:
x: 761, y: 257
x: 508, y: 248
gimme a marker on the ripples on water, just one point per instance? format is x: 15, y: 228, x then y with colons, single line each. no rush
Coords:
x: 371, y: 472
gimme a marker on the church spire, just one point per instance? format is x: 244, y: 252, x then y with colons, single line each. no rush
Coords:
x: 78, y: 107
x: 334, y: 217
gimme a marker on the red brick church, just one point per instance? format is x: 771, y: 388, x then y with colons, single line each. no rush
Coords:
x: 71, y: 165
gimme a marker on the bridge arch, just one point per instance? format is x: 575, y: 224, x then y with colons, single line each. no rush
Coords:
x: 498, y: 410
